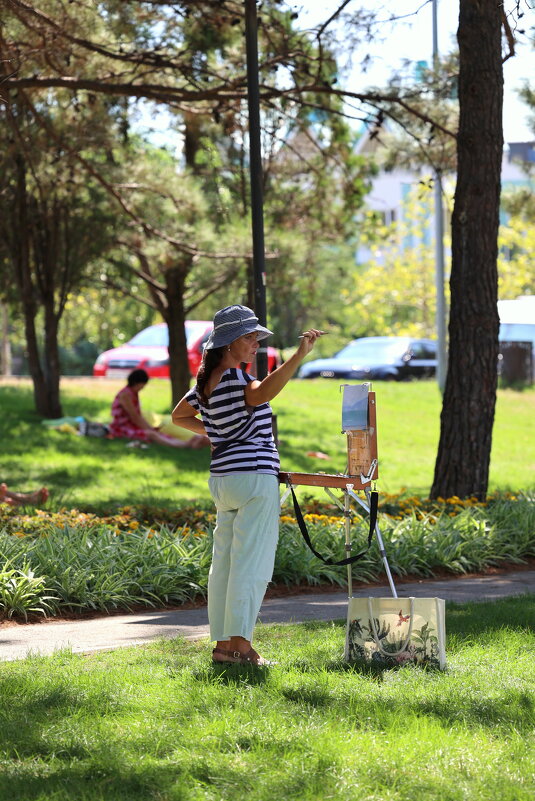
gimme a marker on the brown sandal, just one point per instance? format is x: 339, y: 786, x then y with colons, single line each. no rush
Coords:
x: 237, y: 658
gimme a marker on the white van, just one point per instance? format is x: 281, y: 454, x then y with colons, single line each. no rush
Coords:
x: 517, y: 324
x: 517, y: 319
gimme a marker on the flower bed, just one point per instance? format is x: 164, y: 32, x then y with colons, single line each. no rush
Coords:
x: 70, y: 559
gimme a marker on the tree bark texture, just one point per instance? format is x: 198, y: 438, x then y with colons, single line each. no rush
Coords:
x: 462, y: 465
x: 175, y: 318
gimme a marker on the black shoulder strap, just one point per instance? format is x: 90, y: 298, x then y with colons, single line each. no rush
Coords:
x: 374, y: 500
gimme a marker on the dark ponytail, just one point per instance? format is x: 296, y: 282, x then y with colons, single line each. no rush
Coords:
x: 210, y: 360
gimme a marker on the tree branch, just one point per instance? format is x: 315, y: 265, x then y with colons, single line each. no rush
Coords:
x: 162, y: 94
x: 508, y: 35
x: 373, y: 99
x: 155, y: 59
x: 145, y: 274
x: 157, y: 92
x: 326, y: 24
x: 110, y: 284
x: 217, y: 285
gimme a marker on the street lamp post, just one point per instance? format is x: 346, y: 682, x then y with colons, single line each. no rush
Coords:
x: 442, y: 351
x: 255, y: 167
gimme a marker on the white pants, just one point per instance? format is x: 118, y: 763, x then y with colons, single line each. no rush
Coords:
x: 245, y: 541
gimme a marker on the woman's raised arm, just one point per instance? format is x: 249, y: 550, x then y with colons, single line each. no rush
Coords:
x: 258, y: 392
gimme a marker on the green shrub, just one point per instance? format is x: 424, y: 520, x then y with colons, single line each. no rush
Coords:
x: 22, y: 592
x: 120, y: 561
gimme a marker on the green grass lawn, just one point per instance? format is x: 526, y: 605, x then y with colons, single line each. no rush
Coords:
x: 98, y: 474
x: 160, y: 723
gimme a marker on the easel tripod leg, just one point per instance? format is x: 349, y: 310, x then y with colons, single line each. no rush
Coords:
x: 347, y: 524
x: 383, y: 552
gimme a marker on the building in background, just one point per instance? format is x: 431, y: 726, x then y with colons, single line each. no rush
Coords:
x: 392, y: 187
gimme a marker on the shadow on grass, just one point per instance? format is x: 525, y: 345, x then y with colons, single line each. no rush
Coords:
x: 508, y: 709
x: 513, y: 709
x: 254, y: 675
x: 72, y: 465
x: 316, y: 697
x: 33, y: 713
x: 340, y: 665
x: 108, y: 776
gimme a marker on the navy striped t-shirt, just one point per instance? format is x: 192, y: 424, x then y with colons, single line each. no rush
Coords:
x: 242, y: 435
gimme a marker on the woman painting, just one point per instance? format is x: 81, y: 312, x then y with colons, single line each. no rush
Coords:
x: 235, y: 414
x: 128, y: 421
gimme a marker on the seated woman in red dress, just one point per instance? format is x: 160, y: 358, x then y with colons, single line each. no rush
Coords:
x: 128, y: 421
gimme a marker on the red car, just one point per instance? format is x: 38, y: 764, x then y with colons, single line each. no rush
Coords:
x: 148, y: 350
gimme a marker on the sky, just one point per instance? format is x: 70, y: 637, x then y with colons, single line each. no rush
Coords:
x: 411, y: 38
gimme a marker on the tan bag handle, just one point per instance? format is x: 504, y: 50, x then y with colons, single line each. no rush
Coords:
x: 376, y: 636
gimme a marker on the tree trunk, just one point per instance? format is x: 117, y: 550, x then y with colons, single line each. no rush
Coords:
x: 192, y: 135
x: 5, y: 354
x: 34, y: 364
x: 175, y: 319
x: 45, y: 382
x: 52, y: 372
x: 23, y: 276
x: 51, y: 268
x: 463, y: 458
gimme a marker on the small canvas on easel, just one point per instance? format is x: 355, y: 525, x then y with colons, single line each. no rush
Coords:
x: 358, y: 422
x: 355, y: 407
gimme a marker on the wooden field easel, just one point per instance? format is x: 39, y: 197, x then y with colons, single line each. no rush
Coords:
x: 362, y: 469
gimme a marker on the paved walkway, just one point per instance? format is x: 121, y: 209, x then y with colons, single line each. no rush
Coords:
x: 116, y: 631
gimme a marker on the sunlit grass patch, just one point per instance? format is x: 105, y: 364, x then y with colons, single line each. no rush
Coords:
x: 103, y: 475
x: 161, y: 722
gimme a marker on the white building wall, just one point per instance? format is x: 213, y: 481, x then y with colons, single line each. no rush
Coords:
x: 389, y: 190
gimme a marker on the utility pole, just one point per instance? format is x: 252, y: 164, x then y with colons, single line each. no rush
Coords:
x: 255, y: 167
x: 442, y: 351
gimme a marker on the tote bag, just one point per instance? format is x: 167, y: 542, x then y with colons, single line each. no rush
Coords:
x: 393, y: 631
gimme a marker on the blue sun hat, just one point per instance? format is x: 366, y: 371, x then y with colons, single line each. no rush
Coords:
x: 233, y: 322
